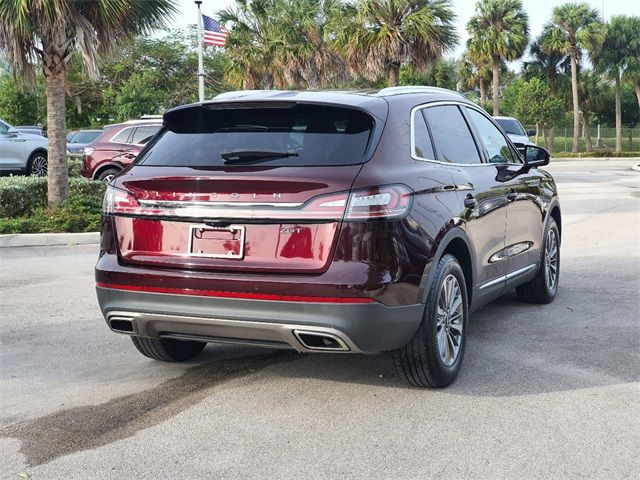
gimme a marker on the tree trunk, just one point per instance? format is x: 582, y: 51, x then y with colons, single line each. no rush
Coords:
x: 58, y: 176
x: 587, y: 133
x: 576, y: 104
x: 545, y: 134
x: 496, y: 88
x: 552, y: 139
x: 618, y: 115
x: 394, y: 71
x: 483, y: 94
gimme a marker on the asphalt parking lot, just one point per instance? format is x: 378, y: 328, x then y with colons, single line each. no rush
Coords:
x: 545, y: 392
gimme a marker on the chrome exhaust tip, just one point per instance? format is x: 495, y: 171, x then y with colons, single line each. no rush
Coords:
x: 122, y: 325
x: 320, y: 341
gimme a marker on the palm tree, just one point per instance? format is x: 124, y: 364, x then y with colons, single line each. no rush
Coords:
x: 620, y: 59
x: 249, y: 55
x: 50, y: 31
x: 388, y: 33
x: 499, y: 31
x: 554, y: 69
x: 591, y: 93
x: 574, y: 27
x: 475, y: 74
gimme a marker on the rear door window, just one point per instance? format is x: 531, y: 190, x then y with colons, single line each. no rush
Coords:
x: 143, y: 134
x: 305, y: 135
x: 451, y: 135
x: 423, y: 148
x: 123, y: 136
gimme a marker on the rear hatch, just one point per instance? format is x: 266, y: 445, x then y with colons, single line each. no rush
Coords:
x: 242, y: 187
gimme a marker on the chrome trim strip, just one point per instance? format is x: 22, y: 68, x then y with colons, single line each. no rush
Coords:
x: 186, y: 204
x: 156, y: 325
x: 509, y: 276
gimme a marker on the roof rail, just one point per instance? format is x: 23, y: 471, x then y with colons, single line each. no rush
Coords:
x: 415, y: 89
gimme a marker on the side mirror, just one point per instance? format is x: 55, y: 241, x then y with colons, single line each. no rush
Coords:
x: 531, y: 132
x: 535, y: 156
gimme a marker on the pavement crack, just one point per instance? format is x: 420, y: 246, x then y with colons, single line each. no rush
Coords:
x: 81, y: 428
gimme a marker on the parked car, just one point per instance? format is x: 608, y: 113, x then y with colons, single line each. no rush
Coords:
x: 77, y: 140
x: 22, y: 152
x: 116, y: 147
x: 326, y: 222
x: 516, y: 132
x: 33, y: 129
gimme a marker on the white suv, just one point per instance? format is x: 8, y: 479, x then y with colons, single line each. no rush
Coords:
x: 22, y: 152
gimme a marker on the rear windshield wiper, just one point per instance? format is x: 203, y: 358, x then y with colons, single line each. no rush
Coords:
x: 239, y: 156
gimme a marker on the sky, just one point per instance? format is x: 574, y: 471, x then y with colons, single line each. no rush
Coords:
x: 539, y: 13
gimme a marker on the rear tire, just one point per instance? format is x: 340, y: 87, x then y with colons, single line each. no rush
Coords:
x: 38, y: 164
x: 433, y: 357
x: 168, y: 349
x: 108, y: 174
x: 543, y: 288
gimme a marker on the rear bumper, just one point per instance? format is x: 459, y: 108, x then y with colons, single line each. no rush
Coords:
x: 369, y: 328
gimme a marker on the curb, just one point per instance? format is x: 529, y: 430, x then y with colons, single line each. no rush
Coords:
x: 48, y: 239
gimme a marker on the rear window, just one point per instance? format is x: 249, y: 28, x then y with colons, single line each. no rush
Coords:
x: 511, y: 126
x: 307, y: 135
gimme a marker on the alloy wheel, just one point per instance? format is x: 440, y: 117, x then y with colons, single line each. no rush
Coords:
x: 39, y: 166
x: 450, y: 320
x: 551, y: 260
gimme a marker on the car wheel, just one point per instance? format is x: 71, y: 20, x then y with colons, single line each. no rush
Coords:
x: 433, y: 357
x: 107, y: 175
x: 167, y: 349
x: 544, y: 286
x: 38, y: 164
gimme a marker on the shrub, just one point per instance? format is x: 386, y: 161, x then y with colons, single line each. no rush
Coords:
x: 597, y: 154
x: 75, y: 165
x: 21, y: 196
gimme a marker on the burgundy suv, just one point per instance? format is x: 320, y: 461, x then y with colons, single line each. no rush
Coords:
x: 326, y: 222
x: 116, y: 147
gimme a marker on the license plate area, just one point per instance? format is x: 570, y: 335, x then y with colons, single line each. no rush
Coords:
x: 217, y: 242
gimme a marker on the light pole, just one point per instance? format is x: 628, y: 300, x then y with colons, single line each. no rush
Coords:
x: 200, y: 60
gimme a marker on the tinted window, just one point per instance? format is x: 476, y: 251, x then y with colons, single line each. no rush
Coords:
x: 451, y: 135
x: 123, y: 136
x: 4, y: 128
x: 497, y: 146
x: 509, y: 125
x: 84, y: 137
x: 423, y: 147
x: 306, y: 134
x: 143, y: 134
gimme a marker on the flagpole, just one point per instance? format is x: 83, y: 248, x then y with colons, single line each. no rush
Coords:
x: 200, y: 60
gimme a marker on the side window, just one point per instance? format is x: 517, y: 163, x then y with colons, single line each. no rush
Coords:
x: 497, y: 146
x: 123, y: 136
x: 422, y: 147
x: 4, y: 128
x: 143, y: 134
x: 451, y: 135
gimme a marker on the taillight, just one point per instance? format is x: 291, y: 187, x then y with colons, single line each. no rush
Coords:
x: 119, y: 201
x: 389, y: 201
x: 384, y: 202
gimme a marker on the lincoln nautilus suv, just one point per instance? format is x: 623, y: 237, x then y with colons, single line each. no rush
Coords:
x: 329, y: 222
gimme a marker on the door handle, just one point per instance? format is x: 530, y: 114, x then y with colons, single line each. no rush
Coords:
x: 470, y: 202
x: 512, y: 195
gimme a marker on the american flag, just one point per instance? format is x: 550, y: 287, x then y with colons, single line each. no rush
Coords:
x: 214, y: 32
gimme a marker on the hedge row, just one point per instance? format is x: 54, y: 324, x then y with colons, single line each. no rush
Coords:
x: 20, y: 196
x: 598, y: 154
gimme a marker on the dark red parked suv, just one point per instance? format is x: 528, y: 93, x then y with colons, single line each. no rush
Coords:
x: 116, y: 148
x: 326, y: 222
